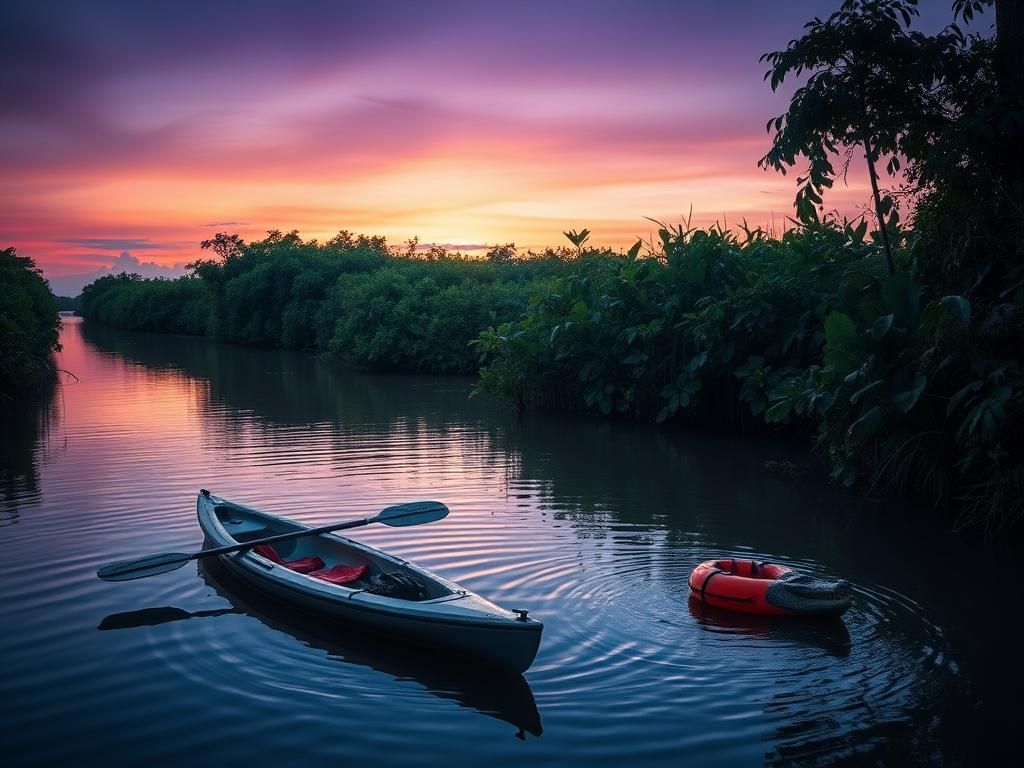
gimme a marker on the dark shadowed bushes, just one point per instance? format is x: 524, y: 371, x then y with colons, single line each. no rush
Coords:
x: 904, y: 386
x: 160, y: 305
x: 29, y: 326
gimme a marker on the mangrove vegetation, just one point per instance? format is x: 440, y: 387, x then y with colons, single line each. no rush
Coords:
x: 29, y: 327
x: 892, y: 337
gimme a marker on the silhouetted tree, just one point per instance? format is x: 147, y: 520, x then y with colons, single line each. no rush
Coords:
x: 29, y: 325
x: 872, y: 83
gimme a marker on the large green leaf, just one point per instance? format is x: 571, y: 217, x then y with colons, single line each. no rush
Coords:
x: 881, y: 326
x: 955, y: 309
x: 872, y: 387
x: 838, y: 327
x: 779, y: 412
x: 840, y: 343
x: 902, y: 297
x: 905, y: 401
x: 865, y: 426
x: 958, y: 308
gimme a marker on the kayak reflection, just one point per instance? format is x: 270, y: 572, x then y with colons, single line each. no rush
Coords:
x: 149, y: 617
x: 491, y: 691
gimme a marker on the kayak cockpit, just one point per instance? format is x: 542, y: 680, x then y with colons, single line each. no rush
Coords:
x: 324, y: 557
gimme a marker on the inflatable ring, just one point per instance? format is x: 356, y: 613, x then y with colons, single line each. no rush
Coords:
x: 764, y: 588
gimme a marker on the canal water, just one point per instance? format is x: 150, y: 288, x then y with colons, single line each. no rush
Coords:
x: 591, y: 525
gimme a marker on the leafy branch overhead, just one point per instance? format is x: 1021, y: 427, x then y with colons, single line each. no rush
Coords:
x: 871, y: 84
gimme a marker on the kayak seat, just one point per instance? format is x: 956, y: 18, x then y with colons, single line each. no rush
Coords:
x: 341, y: 574
x: 302, y: 565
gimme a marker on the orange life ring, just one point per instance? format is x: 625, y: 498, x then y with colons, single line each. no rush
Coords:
x: 767, y: 589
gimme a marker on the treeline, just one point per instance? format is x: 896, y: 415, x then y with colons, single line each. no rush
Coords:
x: 351, y: 297
x: 158, y: 305
x: 900, y: 350
x: 905, y: 387
x: 29, y: 327
x: 67, y: 303
x: 896, y: 346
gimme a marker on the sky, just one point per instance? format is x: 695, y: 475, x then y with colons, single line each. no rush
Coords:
x: 138, y: 129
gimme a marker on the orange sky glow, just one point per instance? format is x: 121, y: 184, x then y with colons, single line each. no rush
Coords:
x: 428, y: 132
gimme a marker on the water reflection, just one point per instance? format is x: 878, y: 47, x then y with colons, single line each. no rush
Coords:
x: 151, y: 617
x: 592, y: 525
x: 829, y: 635
x: 27, y: 427
x: 493, y: 692
x: 652, y: 481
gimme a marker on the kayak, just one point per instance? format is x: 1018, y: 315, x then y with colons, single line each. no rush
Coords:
x: 768, y: 589
x: 348, y: 580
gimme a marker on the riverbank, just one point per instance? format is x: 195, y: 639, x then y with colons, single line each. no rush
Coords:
x: 905, y: 388
x: 29, y: 328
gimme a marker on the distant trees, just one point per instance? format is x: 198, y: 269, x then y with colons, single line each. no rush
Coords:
x: 67, y: 303
x: 29, y: 326
x: 351, y: 297
x: 160, y: 305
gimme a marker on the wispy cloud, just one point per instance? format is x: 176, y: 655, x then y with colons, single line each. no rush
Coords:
x: 122, y: 244
x: 226, y: 224
x: 452, y: 246
x: 71, y: 285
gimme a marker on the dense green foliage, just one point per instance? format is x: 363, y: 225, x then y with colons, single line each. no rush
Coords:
x: 67, y: 303
x: 422, y: 315
x: 28, y: 325
x: 165, y: 306
x: 351, y: 297
x: 900, y: 351
x: 809, y: 331
x: 898, y: 348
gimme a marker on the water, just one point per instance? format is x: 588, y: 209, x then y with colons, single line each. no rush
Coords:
x: 593, y: 526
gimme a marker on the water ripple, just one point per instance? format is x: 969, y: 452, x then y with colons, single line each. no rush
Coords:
x: 596, y: 533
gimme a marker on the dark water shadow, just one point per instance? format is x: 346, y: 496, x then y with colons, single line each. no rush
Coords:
x: 26, y: 426
x: 490, y: 691
x: 828, y: 634
x: 150, y: 617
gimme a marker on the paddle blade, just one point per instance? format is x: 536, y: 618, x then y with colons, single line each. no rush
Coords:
x: 126, y: 570
x: 413, y: 513
x: 145, y: 617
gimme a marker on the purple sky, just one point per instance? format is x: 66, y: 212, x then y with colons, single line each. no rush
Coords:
x: 146, y: 126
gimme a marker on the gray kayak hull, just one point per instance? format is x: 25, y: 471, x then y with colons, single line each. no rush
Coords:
x: 452, y: 618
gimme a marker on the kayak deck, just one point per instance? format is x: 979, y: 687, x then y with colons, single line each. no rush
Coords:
x: 440, y: 612
x: 243, y: 524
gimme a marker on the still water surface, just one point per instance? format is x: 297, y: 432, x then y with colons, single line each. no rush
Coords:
x: 593, y: 526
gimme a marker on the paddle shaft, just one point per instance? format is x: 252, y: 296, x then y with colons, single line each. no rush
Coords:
x: 413, y: 513
x: 285, y: 537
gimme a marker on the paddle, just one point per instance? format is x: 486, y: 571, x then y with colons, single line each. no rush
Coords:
x: 148, y: 617
x: 413, y: 513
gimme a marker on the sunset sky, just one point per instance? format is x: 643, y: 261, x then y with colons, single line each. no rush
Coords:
x: 143, y: 128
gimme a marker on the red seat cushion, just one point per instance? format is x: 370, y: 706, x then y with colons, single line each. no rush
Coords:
x: 305, y: 564
x: 302, y: 565
x: 267, y: 551
x: 341, y: 574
